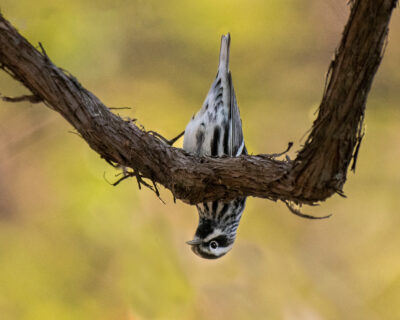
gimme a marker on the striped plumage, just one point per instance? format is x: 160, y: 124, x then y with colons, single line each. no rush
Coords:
x: 216, y: 130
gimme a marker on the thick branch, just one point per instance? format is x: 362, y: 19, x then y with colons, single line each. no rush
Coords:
x: 319, y: 169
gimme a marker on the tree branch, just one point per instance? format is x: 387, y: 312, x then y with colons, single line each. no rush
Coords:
x: 318, y: 171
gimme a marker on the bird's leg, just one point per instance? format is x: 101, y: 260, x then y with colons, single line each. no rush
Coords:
x: 169, y: 142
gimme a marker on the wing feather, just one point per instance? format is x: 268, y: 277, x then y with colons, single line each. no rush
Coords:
x: 237, y: 140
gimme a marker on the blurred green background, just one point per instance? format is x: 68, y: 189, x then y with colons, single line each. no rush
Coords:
x: 74, y: 247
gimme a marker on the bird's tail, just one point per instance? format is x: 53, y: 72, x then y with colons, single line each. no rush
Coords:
x: 224, y: 53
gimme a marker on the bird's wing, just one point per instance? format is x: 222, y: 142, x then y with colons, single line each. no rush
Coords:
x: 216, y: 129
x: 237, y: 141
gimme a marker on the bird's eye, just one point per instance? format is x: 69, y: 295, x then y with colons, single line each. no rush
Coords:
x: 214, y: 244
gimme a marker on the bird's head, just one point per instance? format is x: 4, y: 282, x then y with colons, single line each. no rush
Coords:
x: 210, y: 241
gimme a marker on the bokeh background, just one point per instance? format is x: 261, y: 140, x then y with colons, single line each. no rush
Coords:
x: 74, y: 247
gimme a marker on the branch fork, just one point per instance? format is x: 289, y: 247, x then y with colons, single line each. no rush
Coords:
x: 318, y: 171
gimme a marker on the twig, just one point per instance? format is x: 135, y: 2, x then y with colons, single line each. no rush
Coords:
x: 341, y: 193
x: 157, y: 192
x: 300, y: 214
x: 357, y: 149
x: 76, y: 133
x: 119, y: 108
x: 44, y: 52
x: 30, y: 98
x: 114, y: 165
x: 169, y: 142
x: 275, y: 155
x: 9, y: 72
x: 126, y: 176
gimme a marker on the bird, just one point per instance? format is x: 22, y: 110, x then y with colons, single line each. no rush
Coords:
x: 216, y: 130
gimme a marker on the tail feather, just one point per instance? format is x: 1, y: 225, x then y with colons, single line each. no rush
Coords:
x: 224, y: 53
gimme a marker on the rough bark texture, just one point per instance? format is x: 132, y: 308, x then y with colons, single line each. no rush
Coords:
x: 318, y: 171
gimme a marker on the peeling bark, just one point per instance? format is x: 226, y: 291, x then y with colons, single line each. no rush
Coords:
x: 319, y: 170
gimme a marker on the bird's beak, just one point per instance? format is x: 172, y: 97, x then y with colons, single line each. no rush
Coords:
x: 194, y: 242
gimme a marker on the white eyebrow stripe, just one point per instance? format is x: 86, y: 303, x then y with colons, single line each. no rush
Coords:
x: 216, y: 233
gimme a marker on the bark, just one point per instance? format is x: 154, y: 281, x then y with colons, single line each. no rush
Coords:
x: 319, y: 170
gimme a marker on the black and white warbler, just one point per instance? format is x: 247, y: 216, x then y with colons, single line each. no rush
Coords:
x: 216, y: 130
